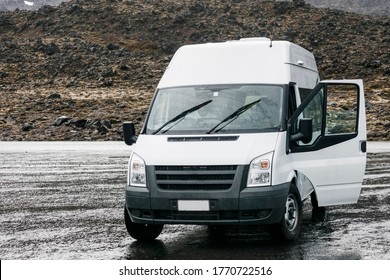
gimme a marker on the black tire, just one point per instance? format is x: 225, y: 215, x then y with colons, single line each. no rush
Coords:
x: 290, y: 226
x: 216, y: 232
x: 142, y: 232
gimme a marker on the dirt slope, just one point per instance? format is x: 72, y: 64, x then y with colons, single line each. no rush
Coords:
x: 96, y: 63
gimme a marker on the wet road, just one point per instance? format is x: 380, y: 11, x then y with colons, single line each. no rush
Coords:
x: 65, y: 201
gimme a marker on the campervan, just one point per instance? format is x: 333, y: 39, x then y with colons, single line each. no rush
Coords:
x: 242, y: 133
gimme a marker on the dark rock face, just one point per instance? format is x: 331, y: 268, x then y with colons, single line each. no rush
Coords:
x: 101, y: 59
x: 376, y: 7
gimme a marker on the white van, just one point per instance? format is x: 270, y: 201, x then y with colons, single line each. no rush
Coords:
x: 241, y: 133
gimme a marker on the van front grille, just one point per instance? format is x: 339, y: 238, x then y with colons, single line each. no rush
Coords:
x: 215, y: 177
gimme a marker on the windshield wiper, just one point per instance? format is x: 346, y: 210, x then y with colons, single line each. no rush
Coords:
x: 233, y: 116
x: 181, y: 116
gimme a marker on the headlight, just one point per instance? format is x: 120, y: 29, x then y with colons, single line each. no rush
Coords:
x: 260, y: 171
x: 137, y: 172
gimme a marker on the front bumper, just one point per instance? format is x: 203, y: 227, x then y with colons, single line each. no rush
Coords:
x: 238, y: 205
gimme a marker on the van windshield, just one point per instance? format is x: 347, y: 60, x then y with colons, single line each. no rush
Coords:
x: 216, y: 109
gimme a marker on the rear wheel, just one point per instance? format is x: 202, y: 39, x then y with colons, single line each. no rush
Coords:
x: 142, y: 232
x: 290, y: 226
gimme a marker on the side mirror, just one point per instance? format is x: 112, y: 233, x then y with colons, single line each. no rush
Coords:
x: 129, y: 133
x: 305, y: 133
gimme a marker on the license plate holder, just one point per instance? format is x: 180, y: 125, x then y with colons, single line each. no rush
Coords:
x: 193, y: 205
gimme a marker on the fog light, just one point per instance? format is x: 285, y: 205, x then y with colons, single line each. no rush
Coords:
x: 136, y: 212
x: 263, y: 213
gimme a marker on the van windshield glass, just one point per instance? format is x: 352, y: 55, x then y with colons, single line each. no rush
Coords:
x: 218, y: 113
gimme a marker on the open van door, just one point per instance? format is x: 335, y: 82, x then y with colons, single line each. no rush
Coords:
x: 333, y: 156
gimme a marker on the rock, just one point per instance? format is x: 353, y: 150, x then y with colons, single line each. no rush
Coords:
x: 299, y: 3
x: 79, y: 123
x: 179, y: 19
x: 107, y: 82
x: 375, y: 63
x: 27, y: 127
x: 102, y: 126
x: 124, y: 67
x: 103, y: 129
x: 111, y: 47
x: 369, y: 105
x: 106, y: 123
x: 72, y: 83
x: 54, y: 95
x: 197, y: 7
x: 51, y: 49
x: 60, y: 120
x: 107, y: 73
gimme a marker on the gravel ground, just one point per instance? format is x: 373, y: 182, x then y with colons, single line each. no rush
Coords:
x: 65, y: 201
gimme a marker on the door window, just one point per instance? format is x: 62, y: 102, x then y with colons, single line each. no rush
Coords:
x: 341, y: 109
x: 333, y: 109
x: 314, y: 111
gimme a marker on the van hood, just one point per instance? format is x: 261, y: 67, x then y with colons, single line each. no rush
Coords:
x: 204, y: 150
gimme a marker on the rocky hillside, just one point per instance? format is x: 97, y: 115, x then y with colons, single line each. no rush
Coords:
x: 76, y: 71
x: 375, y: 7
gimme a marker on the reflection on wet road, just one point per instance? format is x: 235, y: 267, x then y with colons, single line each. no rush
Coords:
x: 68, y: 204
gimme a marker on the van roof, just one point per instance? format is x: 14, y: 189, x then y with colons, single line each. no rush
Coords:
x: 245, y: 61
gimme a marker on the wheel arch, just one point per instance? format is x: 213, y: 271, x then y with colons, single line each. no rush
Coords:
x: 304, y: 185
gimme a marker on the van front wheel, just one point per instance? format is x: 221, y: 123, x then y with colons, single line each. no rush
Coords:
x: 290, y: 226
x: 142, y: 232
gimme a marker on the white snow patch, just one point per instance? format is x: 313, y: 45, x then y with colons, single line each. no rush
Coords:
x: 28, y: 3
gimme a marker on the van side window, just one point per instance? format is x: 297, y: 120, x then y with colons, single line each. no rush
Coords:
x: 341, y: 110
